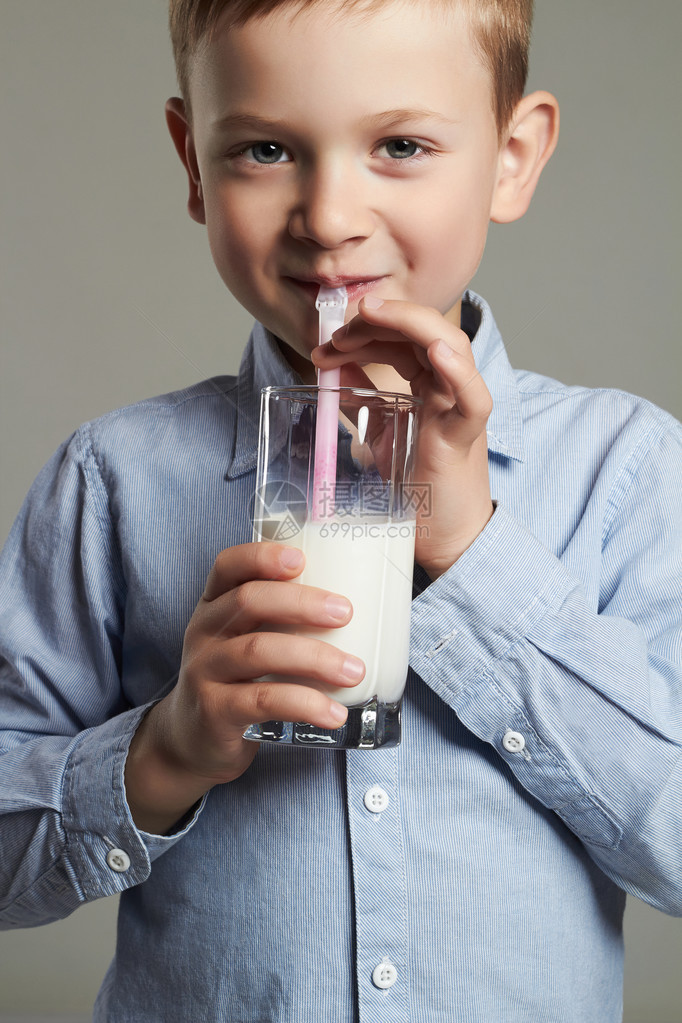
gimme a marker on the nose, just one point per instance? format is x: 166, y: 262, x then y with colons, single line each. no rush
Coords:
x: 331, y: 207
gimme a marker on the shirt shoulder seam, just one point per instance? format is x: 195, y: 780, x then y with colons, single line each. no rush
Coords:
x: 96, y: 488
x: 172, y: 399
x: 628, y: 472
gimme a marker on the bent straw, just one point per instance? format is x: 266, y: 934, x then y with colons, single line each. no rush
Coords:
x: 331, y: 305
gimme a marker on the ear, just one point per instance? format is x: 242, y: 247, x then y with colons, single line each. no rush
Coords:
x: 181, y: 133
x: 530, y: 143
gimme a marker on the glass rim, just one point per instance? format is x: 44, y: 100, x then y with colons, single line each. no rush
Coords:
x: 299, y: 391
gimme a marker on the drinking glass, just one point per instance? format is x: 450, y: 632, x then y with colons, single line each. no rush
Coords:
x: 335, y: 479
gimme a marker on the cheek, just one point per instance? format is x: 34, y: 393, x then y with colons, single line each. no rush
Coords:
x: 448, y: 234
x: 242, y: 237
x: 452, y: 234
x: 236, y: 236
x: 461, y: 220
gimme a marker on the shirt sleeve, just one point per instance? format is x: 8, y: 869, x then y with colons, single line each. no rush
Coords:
x: 582, y: 699
x: 66, y: 832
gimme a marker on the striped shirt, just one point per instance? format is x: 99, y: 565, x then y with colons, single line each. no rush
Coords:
x: 475, y: 873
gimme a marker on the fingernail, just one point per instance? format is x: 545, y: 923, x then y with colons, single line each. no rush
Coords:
x: 353, y: 669
x: 372, y: 302
x: 291, y: 557
x: 337, y: 608
x: 443, y: 350
x: 337, y: 712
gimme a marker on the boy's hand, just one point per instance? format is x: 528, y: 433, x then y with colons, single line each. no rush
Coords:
x: 452, y: 452
x: 192, y: 739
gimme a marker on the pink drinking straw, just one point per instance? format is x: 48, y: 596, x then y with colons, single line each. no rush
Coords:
x: 331, y: 305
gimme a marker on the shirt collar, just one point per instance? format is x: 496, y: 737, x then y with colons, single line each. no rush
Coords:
x: 505, y: 425
x: 263, y: 365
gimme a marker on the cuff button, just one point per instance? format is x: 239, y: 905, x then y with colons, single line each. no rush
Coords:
x: 118, y: 860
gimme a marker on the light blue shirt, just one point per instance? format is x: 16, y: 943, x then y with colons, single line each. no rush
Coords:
x: 477, y: 873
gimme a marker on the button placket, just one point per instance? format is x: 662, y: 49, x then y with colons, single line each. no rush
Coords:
x: 379, y: 885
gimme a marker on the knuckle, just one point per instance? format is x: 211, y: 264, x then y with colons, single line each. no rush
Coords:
x: 262, y: 698
x: 300, y: 599
x: 309, y: 702
x: 222, y: 562
x: 486, y: 404
x: 190, y: 632
x: 195, y: 637
x: 253, y: 647
x: 266, y: 558
x: 243, y: 596
x: 323, y: 661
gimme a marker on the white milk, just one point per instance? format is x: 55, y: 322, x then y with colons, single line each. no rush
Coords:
x: 371, y: 564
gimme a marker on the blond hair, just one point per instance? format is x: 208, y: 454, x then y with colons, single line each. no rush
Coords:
x: 500, y: 28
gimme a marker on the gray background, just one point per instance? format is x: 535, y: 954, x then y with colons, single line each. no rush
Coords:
x: 108, y: 294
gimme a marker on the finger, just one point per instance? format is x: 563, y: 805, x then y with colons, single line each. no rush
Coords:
x: 259, y: 560
x: 405, y: 358
x: 255, y: 603
x: 460, y: 377
x: 287, y: 656
x: 255, y: 702
x: 352, y: 375
x: 417, y: 323
x: 449, y: 369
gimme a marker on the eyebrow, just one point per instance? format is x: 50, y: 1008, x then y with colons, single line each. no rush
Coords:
x: 251, y: 121
x: 393, y: 118
x: 386, y: 119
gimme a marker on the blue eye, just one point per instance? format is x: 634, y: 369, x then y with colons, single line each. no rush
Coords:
x: 267, y: 152
x: 402, y: 149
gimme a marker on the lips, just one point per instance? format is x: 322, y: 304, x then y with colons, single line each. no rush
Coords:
x: 356, y: 286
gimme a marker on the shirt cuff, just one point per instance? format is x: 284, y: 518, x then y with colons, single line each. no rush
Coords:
x: 468, y: 640
x: 104, y: 851
x: 502, y: 585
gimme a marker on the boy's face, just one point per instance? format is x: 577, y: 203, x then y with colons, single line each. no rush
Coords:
x: 356, y: 148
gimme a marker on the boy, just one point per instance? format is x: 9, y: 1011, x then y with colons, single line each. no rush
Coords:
x: 371, y: 145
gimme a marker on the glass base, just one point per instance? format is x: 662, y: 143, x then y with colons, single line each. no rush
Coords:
x: 371, y: 725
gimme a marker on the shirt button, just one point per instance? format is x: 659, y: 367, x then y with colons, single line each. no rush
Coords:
x: 513, y: 742
x: 384, y: 975
x: 118, y: 860
x: 376, y: 799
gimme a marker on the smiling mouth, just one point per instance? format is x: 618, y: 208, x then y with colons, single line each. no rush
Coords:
x: 356, y: 287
